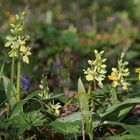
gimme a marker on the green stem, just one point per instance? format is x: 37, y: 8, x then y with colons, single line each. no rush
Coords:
x: 114, y: 96
x: 12, y: 80
x: 82, y: 119
x: 75, y: 136
x: 94, y: 82
x: 91, y: 136
x: 12, y: 70
x: 89, y: 88
x: 2, y: 69
x: 68, y: 71
x: 18, y: 79
x: 90, y: 125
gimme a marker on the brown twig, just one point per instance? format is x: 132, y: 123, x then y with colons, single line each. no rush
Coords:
x: 82, y: 119
x: 94, y: 83
x: 112, y: 131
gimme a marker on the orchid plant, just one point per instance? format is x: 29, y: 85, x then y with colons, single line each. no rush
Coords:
x: 118, y: 75
x: 97, y: 69
x: 19, y: 50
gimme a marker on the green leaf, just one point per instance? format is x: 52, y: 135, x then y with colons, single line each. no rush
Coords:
x: 25, y: 121
x: 82, y: 96
x: 10, y: 91
x: 66, y: 127
x: 132, y: 129
x: 70, y: 38
x: 1, y: 70
x: 124, y: 111
x: 123, y: 137
x: 132, y: 54
x: 37, y: 104
x: 81, y: 88
x: 63, y: 98
x: 22, y: 102
x: 76, y: 116
x: 117, y: 111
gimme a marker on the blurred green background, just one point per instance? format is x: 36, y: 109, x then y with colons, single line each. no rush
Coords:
x: 64, y: 33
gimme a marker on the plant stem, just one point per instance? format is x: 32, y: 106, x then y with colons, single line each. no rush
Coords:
x: 91, y: 137
x: 68, y: 71
x: 114, y: 96
x: 83, y: 127
x: 2, y: 69
x: 18, y: 79
x: 75, y: 136
x: 12, y: 80
x: 12, y: 70
x: 90, y: 122
x: 90, y: 125
x: 89, y: 88
x: 94, y: 82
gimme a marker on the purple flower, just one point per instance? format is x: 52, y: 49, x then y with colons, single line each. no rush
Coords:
x: 72, y: 107
x: 25, y: 82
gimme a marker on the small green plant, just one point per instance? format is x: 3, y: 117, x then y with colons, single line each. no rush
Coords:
x: 118, y: 77
x: 19, y: 50
x: 96, y: 73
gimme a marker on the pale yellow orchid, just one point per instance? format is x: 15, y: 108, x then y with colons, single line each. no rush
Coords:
x: 97, y: 69
x: 119, y: 74
x: 17, y: 40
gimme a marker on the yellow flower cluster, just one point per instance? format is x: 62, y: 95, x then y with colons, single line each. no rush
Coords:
x: 17, y: 40
x: 138, y: 71
x: 119, y: 74
x: 97, y: 69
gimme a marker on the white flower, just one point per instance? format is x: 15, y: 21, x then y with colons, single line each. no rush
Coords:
x: 56, y: 108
